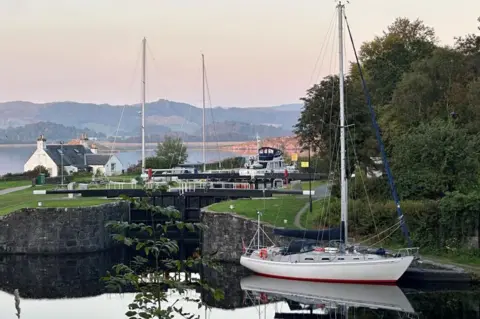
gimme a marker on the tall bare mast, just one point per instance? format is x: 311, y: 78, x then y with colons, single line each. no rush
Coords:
x: 144, y: 45
x: 203, y: 113
x: 343, y: 173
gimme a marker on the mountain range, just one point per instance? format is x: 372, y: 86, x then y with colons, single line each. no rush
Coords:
x: 161, y: 117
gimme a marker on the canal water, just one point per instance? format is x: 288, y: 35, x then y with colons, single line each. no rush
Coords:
x: 69, y: 287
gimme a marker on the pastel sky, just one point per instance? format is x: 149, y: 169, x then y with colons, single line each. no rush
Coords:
x: 258, y: 53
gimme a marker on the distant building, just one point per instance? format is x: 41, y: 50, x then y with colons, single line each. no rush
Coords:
x: 76, y: 157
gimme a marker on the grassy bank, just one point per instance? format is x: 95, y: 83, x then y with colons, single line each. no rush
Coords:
x: 126, y: 178
x: 306, y: 184
x: 465, y: 258
x: 25, y: 199
x: 275, y: 209
x: 11, y: 184
x: 469, y: 263
x: 318, y: 206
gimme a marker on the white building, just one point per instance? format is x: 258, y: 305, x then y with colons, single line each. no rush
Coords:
x: 73, y: 158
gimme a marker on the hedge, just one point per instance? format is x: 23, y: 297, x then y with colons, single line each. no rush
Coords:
x: 449, y: 223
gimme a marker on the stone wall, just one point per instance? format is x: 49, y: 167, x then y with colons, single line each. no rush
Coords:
x: 225, y: 232
x: 60, y: 230
x: 57, y: 276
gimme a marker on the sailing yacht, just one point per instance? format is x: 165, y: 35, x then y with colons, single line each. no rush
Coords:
x: 303, y: 260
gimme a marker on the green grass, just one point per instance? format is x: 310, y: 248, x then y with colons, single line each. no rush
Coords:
x: 119, y: 178
x: 25, y: 199
x: 275, y: 210
x: 11, y: 184
x: 469, y: 263
x: 318, y: 206
x: 315, y: 184
x: 306, y: 185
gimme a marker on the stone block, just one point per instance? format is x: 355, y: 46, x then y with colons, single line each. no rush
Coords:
x: 59, y: 230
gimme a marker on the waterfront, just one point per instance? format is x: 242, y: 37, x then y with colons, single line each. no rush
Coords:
x: 12, y: 158
x: 69, y: 286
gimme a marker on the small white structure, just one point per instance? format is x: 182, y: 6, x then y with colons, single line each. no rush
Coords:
x: 72, y: 158
x: 106, y: 165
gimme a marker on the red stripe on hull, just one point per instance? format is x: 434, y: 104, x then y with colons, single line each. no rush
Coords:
x: 337, y: 281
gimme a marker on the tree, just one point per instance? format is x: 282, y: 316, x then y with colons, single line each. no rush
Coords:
x: 170, y: 153
x: 286, y: 156
x: 435, y: 158
x: 387, y: 57
x: 318, y: 125
x: 470, y: 47
x: 441, y: 86
x: 149, y: 273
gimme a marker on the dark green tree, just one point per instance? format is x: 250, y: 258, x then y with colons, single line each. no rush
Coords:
x: 435, y: 158
x: 318, y: 124
x: 170, y: 153
x: 389, y: 56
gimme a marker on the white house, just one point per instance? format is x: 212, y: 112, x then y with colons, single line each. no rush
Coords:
x: 73, y: 158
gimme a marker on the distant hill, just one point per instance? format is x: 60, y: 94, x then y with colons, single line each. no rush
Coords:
x: 297, y: 107
x: 161, y: 117
x: 53, y: 131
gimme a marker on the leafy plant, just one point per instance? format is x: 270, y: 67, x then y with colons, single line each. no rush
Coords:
x: 149, y: 272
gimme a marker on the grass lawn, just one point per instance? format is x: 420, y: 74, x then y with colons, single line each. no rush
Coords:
x: 315, y: 184
x: 25, y: 198
x: 275, y: 210
x: 10, y: 184
x: 470, y: 264
x: 317, y: 208
x: 120, y: 178
x: 306, y: 186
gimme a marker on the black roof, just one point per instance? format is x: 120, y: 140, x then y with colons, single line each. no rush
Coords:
x: 98, y: 159
x: 75, y: 155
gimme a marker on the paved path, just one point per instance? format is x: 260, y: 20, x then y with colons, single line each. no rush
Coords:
x: 320, y: 193
x: 13, y: 189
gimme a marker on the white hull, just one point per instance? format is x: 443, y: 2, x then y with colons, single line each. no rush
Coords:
x: 371, y: 296
x: 379, y: 271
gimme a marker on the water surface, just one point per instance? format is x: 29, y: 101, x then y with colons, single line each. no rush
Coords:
x: 12, y: 158
x: 69, y: 287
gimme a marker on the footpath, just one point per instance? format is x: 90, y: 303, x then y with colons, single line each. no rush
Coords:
x: 321, y: 192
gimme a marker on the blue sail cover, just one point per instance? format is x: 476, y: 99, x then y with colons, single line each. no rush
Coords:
x: 325, y: 234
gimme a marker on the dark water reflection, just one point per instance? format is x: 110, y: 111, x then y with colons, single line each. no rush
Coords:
x: 61, y: 286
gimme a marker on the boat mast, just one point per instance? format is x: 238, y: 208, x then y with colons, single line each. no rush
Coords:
x: 343, y: 174
x: 203, y: 113
x: 144, y: 45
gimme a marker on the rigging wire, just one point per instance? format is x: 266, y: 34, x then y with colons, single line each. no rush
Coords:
x: 329, y: 33
x: 327, y: 39
x: 176, y: 153
x: 332, y: 64
x: 124, y: 106
x: 211, y: 113
x: 379, y: 139
x: 329, y: 30
x: 364, y: 184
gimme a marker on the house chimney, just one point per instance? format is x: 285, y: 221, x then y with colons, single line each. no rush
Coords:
x: 41, y: 142
x: 94, y: 149
x: 84, y: 139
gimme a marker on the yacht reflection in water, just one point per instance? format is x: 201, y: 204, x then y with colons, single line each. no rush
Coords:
x: 324, y: 300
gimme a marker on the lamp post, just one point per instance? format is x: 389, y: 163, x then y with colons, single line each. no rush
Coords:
x: 61, y: 158
x: 310, y: 178
x: 310, y: 130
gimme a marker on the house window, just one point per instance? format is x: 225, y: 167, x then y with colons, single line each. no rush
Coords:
x: 112, y: 167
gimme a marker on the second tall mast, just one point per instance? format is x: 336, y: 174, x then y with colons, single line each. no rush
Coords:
x: 144, y: 45
x: 203, y: 112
